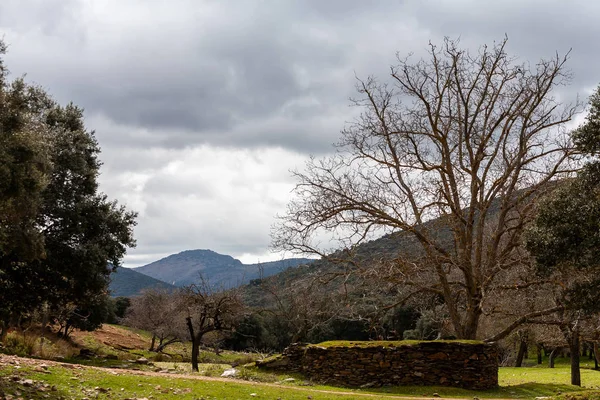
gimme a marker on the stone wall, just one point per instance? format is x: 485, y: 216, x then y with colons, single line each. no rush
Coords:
x: 471, y: 365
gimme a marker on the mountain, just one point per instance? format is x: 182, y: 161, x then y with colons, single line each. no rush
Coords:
x: 127, y: 282
x: 219, y: 270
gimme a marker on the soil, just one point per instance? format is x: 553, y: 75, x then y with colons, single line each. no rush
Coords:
x: 111, y: 336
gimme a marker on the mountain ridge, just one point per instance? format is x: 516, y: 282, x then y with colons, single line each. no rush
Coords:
x: 220, y: 270
x: 125, y: 282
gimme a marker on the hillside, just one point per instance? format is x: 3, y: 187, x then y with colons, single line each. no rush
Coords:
x: 126, y: 282
x: 220, y: 270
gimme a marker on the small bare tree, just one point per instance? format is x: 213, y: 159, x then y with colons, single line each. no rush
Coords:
x: 209, y: 310
x: 159, y: 312
x: 467, y: 140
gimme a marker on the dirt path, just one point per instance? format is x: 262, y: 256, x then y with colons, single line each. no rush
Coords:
x: 6, y: 360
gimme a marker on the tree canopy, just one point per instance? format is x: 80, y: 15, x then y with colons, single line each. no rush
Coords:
x: 565, y: 237
x: 451, y: 152
x: 58, y: 233
x: 566, y: 233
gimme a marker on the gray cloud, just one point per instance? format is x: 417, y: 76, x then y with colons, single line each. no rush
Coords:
x: 201, y: 107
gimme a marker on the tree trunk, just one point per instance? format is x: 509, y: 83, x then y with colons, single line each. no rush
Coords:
x: 67, y: 327
x: 195, y: 344
x: 596, y: 355
x: 162, y: 345
x: 3, y: 330
x: 539, y: 353
x: 472, y: 324
x: 574, y: 348
x: 195, y: 353
x: 152, y: 343
x: 552, y: 356
x: 521, y: 353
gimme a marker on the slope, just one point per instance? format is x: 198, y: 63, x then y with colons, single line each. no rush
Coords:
x: 219, y: 270
x: 126, y: 282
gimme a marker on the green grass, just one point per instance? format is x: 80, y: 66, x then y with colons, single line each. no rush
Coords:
x: 78, y: 382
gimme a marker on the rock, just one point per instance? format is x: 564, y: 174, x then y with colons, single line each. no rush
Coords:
x: 100, y: 389
x: 289, y: 380
x: 86, y: 353
x: 435, y: 395
x: 42, y: 370
x: 27, y: 382
x: 142, y: 360
x: 229, y: 373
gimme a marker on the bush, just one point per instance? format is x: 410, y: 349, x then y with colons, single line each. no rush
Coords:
x: 20, y: 344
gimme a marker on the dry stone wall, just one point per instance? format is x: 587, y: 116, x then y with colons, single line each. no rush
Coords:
x: 471, y: 365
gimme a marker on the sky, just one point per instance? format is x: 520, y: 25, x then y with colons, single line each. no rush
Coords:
x: 203, y: 107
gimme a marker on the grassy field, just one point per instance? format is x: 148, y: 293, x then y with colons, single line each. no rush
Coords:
x: 33, y: 379
x: 54, y: 381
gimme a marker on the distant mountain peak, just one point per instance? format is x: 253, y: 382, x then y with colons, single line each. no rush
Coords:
x: 188, y: 266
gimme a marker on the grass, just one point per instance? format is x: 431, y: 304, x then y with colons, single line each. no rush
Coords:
x: 78, y: 382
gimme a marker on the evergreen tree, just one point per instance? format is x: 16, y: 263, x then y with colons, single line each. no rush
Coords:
x: 58, y: 233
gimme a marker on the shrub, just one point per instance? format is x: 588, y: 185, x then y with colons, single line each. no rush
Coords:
x: 20, y: 344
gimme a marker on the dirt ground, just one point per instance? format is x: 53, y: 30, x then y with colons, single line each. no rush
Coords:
x: 114, y: 337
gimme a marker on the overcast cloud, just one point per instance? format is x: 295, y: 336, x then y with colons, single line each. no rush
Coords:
x: 201, y: 107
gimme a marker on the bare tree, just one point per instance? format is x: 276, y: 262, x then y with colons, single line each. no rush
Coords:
x: 465, y: 140
x: 159, y: 312
x: 209, y: 310
x: 301, y: 306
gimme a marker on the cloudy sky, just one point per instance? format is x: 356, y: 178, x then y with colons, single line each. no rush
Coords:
x: 202, y: 107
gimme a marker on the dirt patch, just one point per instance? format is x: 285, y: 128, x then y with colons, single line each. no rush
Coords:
x: 114, y: 337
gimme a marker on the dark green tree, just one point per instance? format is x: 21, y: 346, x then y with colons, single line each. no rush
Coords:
x: 121, y: 306
x: 25, y: 165
x: 565, y: 238
x: 86, y: 235
x: 58, y: 233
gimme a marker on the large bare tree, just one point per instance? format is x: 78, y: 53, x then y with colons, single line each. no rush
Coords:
x: 448, y: 154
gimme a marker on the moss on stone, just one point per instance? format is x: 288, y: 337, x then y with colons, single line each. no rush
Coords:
x: 387, y: 343
x: 269, y: 360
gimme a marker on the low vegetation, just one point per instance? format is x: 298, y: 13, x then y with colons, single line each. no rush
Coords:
x: 170, y: 376
x: 39, y: 379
